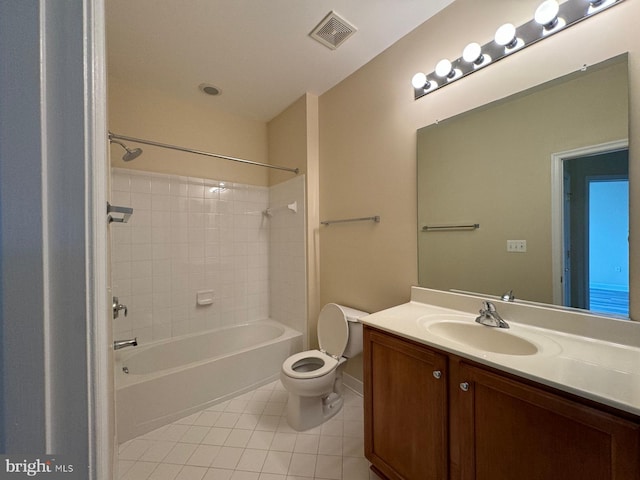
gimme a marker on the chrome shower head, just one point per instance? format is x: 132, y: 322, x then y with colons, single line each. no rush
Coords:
x: 130, y: 154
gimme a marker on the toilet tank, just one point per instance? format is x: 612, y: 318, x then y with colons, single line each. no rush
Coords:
x: 354, y: 344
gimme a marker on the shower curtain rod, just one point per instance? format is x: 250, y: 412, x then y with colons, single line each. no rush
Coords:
x: 199, y: 152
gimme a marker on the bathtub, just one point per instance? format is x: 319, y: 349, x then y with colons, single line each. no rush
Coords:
x: 173, y: 378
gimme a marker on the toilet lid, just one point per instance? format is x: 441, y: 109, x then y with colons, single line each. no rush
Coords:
x: 333, y: 330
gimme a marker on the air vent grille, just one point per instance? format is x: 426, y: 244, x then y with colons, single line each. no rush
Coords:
x: 332, y: 31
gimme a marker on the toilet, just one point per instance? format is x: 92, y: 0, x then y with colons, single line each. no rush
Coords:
x: 314, y: 378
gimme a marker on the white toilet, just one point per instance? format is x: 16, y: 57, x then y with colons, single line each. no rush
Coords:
x: 314, y: 378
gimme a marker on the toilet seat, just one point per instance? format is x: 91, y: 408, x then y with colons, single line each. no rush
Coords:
x: 295, y: 366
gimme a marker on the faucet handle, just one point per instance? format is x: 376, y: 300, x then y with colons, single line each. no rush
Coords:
x: 117, y: 306
x: 487, y: 307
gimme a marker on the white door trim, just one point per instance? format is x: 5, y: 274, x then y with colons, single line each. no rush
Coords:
x: 557, y: 214
x: 100, y: 381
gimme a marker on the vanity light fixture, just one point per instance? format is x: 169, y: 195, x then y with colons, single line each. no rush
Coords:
x: 596, y: 5
x: 547, y: 16
x: 472, y: 53
x: 506, y: 36
x: 444, y: 69
x: 550, y: 17
x: 419, y: 80
x: 421, y: 83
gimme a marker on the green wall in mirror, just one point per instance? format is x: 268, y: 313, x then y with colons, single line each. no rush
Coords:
x: 493, y: 166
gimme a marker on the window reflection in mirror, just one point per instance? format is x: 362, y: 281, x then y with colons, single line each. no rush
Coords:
x: 494, y: 166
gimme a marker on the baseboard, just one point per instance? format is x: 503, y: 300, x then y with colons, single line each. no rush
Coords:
x: 353, y: 383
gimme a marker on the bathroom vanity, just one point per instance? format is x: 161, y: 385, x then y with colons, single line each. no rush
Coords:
x: 446, y: 397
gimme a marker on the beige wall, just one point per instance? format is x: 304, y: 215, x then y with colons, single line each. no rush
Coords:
x: 507, y: 190
x: 293, y: 142
x: 368, y: 129
x: 153, y: 115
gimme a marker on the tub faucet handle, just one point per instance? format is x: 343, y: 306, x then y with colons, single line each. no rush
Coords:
x: 117, y: 306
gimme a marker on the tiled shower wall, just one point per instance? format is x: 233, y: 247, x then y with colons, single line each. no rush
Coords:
x: 189, y: 235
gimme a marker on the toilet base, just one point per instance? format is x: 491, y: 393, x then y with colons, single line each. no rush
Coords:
x: 304, y: 413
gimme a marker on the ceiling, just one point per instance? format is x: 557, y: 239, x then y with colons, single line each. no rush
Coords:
x: 257, y: 52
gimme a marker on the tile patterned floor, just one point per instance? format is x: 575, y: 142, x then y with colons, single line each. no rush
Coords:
x: 248, y: 438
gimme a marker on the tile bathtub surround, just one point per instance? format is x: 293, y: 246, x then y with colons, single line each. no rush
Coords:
x: 247, y: 438
x: 187, y: 234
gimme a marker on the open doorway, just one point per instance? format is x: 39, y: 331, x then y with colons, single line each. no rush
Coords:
x: 595, y: 230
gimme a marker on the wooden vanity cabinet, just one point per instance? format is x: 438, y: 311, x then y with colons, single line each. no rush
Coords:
x: 511, y: 430
x: 405, y: 408
x: 496, y: 426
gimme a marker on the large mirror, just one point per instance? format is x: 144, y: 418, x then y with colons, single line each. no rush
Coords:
x: 530, y: 194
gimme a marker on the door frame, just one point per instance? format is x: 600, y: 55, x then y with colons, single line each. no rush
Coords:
x: 557, y: 210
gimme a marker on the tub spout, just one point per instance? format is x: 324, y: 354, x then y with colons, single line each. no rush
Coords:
x: 118, y: 344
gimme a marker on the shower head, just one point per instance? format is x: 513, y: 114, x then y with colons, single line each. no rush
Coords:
x: 130, y: 154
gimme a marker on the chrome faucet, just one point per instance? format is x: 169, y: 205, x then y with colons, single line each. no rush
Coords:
x: 118, y: 344
x: 490, y: 317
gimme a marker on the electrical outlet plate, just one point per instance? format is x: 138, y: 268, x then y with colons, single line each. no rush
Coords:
x: 517, y: 246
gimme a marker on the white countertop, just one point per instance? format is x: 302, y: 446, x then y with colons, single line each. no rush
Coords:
x: 598, y: 369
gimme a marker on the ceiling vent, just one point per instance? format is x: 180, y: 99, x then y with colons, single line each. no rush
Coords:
x: 332, y: 31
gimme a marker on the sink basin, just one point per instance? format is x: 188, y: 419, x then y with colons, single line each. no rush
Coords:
x: 480, y: 337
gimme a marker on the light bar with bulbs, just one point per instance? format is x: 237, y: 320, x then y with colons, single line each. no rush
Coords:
x: 550, y: 17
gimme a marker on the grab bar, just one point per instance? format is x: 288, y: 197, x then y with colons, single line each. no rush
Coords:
x: 375, y: 218
x: 444, y: 228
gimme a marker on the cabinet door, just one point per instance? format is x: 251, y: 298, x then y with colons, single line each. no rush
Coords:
x: 510, y: 430
x: 405, y: 408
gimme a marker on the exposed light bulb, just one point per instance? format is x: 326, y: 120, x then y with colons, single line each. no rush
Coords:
x: 506, y: 35
x: 419, y: 80
x: 547, y: 14
x: 472, y: 53
x: 444, y: 69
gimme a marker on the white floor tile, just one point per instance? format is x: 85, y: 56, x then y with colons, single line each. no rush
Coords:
x: 260, y: 440
x: 240, y: 475
x: 134, y: 449
x: 191, y: 473
x: 330, y: 445
x: 227, y: 420
x: 252, y: 460
x: 329, y: 467
x: 248, y: 438
x: 307, y: 444
x: 157, y: 451
x: 352, y: 447
x: 124, y: 466
x: 238, y: 438
x: 271, y: 476
x: 166, y: 471
x: 248, y: 421
x: 216, y: 436
x: 207, y: 418
x: 284, y: 442
x: 355, y: 468
x: 228, y: 458
x: 277, y: 462
x: 218, y: 474
x: 140, y: 471
x: 302, y: 464
x: 174, y: 432
x: 204, y: 455
x: 180, y: 453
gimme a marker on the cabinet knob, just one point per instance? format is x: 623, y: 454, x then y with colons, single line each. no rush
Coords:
x: 464, y: 386
x: 437, y: 374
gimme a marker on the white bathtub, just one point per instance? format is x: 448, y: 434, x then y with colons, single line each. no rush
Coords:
x: 173, y: 378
